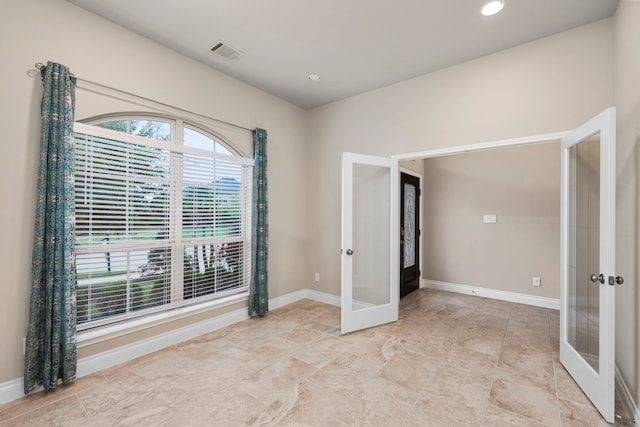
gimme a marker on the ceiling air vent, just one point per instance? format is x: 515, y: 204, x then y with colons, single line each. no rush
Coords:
x: 225, y: 51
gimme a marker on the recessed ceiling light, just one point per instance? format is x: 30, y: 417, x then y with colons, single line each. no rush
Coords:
x: 492, y: 7
x: 314, y: 78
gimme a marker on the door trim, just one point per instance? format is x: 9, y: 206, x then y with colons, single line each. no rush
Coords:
x: 483, y: 146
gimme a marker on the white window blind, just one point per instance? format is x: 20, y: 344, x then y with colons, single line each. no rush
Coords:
x: 159, y: 224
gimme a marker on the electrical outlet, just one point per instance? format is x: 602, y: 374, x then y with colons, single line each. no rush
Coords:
x: 537, y: 282
x: 317, y: 277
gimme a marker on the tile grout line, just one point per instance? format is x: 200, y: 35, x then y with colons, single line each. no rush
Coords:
x: 84, y: 408
x: 295, y: 406
x: 415, y: 402
x: 44, y: 405
x: 496, y: 376
x: 38, y: 408
x: 525, y: 417
x: 555, y: 374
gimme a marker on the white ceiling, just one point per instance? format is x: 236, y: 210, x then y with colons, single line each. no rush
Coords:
x: 354, y: 45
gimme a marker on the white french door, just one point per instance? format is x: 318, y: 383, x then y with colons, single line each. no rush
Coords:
x: 370, y: 236
x: 588, y: 281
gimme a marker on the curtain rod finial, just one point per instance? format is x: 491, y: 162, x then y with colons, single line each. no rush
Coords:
x: 40, y: 65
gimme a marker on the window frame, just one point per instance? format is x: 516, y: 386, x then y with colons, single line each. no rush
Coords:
x: 177, y: 307
x: 194, y: 125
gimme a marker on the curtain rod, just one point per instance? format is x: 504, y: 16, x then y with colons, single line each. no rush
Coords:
x: 40, y: 66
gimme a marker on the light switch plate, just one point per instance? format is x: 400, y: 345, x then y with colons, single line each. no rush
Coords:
x: 490, y: 219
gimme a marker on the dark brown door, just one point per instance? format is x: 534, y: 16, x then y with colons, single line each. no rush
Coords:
x: 409, y: 234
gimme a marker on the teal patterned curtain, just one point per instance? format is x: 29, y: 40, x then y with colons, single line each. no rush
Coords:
x: 51, y: 338
x: 258, y: 295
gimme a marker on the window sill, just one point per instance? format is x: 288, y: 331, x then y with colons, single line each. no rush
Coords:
x: 105, y: 333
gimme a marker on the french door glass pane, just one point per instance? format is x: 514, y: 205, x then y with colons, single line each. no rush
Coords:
x: 584, y: 295
x: 371, y: 236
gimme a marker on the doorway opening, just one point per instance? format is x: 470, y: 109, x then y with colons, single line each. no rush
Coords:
x: 467, y: 234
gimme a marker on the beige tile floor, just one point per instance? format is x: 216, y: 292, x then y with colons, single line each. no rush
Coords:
x: 450, y: 360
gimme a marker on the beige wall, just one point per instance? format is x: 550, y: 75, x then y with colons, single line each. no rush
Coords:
x: 416, y: 166
x: 41, y: 30
x: 521, y: 186
x: 627, y: 101
x: 532, y: 89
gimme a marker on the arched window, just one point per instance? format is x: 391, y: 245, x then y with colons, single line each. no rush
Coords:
x: 162, y: 217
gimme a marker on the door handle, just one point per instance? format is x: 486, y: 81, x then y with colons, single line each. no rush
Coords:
x: 600, y: 278
x: 349, y: 252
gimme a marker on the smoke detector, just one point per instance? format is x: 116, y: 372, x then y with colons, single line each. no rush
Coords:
x: 226, y: 51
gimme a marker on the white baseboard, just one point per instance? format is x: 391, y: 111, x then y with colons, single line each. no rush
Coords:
x: 11, y: 390
x: 91, y: 364
x: 623, y: 393
x: 14, y: 389
x: 323, y: 297
x: 109, y: 358
x: 287, y: 299
x: 544, y: 302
